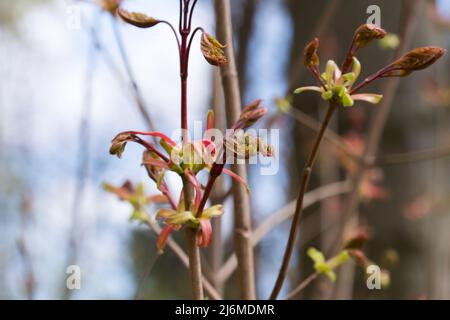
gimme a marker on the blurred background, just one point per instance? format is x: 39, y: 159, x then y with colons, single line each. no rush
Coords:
x: 65, y: 93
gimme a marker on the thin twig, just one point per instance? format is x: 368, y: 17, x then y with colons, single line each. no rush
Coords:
x: 147, y: 270
x: 140, y: 103
x: 283, y: 214
x: 82, y: 153
x: 242, y: 215
x: 330, y: 135
x: 291, y: 295
x: 299, y: 207
x: 415, y: 156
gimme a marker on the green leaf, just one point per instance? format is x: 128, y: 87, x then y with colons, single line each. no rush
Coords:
x: 368, y: 97
x: 212, y: 212
x: 347, y: 101
x: 139, y: 216
x: 181, y: 218
x: 316, y: 255
x: 309, y: 88
x: 328, y: 95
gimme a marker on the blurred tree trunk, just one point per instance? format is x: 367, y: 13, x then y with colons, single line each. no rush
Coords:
x: 244, y: 13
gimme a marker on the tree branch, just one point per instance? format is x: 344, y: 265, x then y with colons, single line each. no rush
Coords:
x: 415, y: 156
x: 282, y: 215
x: 242, y: 216
x: 143, y: 110
x: 178, y: 251
x: 299, y: 206
x: 291, y: 295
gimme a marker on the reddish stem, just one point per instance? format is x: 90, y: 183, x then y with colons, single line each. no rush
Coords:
x: 193, y: 250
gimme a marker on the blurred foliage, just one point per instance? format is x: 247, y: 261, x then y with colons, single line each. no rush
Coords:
x: 12, y: 11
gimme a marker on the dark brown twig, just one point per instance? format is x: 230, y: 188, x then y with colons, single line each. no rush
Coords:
x: 299, y: 208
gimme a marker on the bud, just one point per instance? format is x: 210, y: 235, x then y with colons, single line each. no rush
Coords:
x: 250, y: 115
x: 110, y: 5
x: 357, y: 240
x: 417, y: 59
x: 139, y: 20
x: 212, y: 50
x: 310, y: 56
x: 210, y: 123
x: 119, y: 143
x: 385, y: 278
x: 368, y: 32
x: 390, y: 259
x: 265, y: 149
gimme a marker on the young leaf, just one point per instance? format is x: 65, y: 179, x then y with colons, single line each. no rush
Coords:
x: 119, y: 143
x: 212, y: 50
x: 310, y: 56
x: 212, y: 212
x: 366, y: 33
x: 368, y: 97
x: 136, y: 19
x: 417, y: 59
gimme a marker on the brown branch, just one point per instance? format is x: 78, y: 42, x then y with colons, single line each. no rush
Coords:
x: 282, y: 215
x: 299, y: 207
x: 291, y: 295
x: 242, y: 216
x: 140, y: 103
x: 216, y: 254
x: 415, y: 156
x: 194, y: 264
x: 179, y: 252
x: 330, y: 135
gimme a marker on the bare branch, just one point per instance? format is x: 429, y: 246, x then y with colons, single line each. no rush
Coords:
x: 282, y: 215
x: 242, y: 216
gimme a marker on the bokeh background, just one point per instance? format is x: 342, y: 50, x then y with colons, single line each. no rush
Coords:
x: 64, y: 93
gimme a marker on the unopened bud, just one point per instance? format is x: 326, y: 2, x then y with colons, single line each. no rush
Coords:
x: 310, y: 56
x: 119, y: 143
x: 212, y: 50
x: 366, y: 33
x: 250, y: 115
x: 137, y: 19
x: 357, y: 240
x: 417, y: 59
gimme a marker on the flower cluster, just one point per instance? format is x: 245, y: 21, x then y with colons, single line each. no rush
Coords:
x: 337, y: 85
x: 187, y: 160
